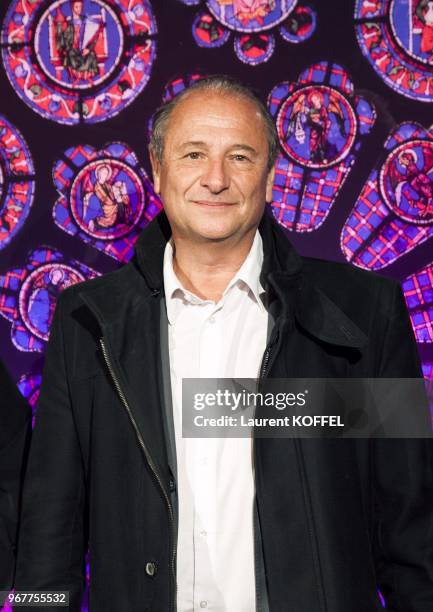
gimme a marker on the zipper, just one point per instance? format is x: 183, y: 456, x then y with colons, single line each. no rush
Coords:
x: 151, y: 465
x: 307, y: 500
x: 265, y: 361
x: 262, y: 374
x: 267, y: 353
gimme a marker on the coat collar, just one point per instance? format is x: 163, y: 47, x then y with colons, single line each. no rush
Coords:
x: 126, y: 306
x: 278, y: 252
x: 282, y: 274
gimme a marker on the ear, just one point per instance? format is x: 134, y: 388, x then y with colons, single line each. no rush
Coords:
x: 269, y: 184
x: 156, y: 171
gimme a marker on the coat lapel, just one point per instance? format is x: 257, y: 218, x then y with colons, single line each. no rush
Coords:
x: 322, y: 318
x: 283, y: 274
x: 129, y: 324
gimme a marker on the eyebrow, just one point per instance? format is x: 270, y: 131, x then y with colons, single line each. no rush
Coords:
x: 201, y: 143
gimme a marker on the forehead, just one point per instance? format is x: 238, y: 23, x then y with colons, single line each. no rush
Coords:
x: 215, y: 114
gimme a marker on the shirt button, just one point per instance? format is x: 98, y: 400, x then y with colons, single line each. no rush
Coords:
x: 150, y: 568
x: 203, y: 604
x: 172, y: 485
x: 211, y: 319
x: 203, y: 533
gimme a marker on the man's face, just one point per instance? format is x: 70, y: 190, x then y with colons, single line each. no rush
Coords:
x: 214, y: 180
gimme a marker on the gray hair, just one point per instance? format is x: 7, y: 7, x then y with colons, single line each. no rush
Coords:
x: 217, y: 83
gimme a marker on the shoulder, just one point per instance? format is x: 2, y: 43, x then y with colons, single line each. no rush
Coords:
x: 109, y: 281
x: 344, y: 277
x: 362, y: 293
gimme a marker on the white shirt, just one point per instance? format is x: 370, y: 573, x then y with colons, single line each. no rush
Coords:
x: 215, y: 548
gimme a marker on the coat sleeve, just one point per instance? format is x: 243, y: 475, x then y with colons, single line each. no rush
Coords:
x: 51, y: 542
x: 403, y: 484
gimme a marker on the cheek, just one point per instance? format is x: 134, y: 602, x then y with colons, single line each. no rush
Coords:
x: 181, y: 178
x: 169, y: 184
x: 253, y: 189
x: 176, y: 187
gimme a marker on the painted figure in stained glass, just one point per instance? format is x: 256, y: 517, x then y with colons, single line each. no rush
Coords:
x: 251, y: 15
x: 28, y: 294
x: 105, y: 197
x: 424, y: 13
x: 45, y: 288
x: 396, y: 36
x: 412, y: 24
x: 112, y: 196
x: 85, y: 42
x: 321, y: 124
x: 407, y: 181
x: 420, y: 184
x: 252, y: 24
x: 394, y: 210
x: 250, y: 10
x: 310, y: 113
x: 316, y: 126
x: 75, y: 61
x: 76, y: 38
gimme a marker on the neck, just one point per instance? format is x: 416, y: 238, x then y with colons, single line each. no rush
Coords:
x: 206, y: 270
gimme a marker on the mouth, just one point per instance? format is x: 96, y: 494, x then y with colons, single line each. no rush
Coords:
x: 208, y: 204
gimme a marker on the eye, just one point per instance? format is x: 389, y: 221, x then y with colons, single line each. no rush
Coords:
x: 193, y: 155
x: 240, y: 157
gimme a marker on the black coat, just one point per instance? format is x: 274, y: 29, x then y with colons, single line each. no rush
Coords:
x: 338, y: 517
x: 15, y: 431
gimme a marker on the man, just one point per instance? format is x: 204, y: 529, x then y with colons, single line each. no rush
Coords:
x: 15, y: 429
x: 216, y: 288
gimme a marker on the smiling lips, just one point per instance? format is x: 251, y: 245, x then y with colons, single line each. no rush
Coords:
x: 213, y: 204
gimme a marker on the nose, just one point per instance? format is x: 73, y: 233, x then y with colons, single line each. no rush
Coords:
x: 215, y: 176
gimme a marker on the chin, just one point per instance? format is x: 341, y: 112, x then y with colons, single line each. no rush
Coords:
x: 215, y: 230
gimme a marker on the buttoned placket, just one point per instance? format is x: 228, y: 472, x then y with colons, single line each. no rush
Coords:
x: 205, y: 460
x: 202, y: 457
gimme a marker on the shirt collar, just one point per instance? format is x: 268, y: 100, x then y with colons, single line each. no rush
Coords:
x: 248, y: 273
